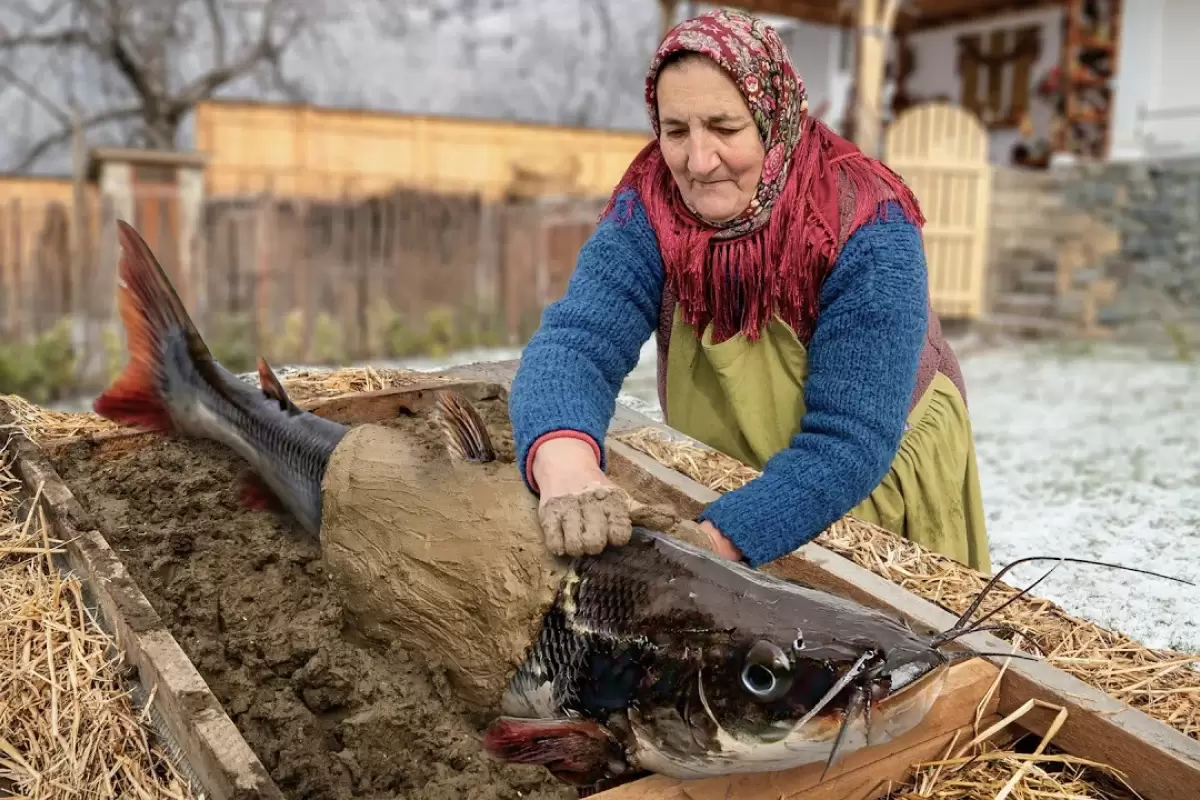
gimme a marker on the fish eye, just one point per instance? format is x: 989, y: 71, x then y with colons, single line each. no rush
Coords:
x: 767, y: 672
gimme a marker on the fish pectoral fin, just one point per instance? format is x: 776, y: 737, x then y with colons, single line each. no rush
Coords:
x: 575, y: 751
x: 466, y: 433
x: 271, y: 386
x: 256, y: 494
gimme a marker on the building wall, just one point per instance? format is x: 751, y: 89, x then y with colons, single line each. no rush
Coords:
x: 331, y: 152
x: 936, y: 70
x: 1157, y: 67
x: 816, y: 52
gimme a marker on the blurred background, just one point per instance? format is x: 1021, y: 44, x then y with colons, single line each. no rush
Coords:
x: 409, y: 183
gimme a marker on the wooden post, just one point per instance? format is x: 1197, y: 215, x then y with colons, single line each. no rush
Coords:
x: 667, y: 18
x: 78, y: 294
x: 875, y: 22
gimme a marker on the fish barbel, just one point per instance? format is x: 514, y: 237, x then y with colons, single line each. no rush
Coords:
x: 654, y: 657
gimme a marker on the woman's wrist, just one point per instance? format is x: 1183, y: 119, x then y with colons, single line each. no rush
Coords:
x: 561, y: 451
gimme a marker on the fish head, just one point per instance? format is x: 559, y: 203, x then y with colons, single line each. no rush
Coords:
x: 773, y: 675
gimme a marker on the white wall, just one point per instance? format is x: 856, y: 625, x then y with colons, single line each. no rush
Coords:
x: 814, y: 50
x: 1158, y: 69
x: 936, y: 69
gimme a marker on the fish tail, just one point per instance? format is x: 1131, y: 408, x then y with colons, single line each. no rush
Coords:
x: 150, y: 311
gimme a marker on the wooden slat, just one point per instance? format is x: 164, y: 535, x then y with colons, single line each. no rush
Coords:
x: 941, y: 151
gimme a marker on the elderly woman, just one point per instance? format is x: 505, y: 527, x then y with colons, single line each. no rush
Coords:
x: 784, y: 274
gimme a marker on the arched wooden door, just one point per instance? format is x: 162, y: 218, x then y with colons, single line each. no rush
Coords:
x: 941, y: 151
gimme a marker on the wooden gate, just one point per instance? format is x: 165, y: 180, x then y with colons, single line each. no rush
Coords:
x: 941, y: 151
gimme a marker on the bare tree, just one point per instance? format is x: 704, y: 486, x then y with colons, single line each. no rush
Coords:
x: 136, y: 68
x: 571, y: 62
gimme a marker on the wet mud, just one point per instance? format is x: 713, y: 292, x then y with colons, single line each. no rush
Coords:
x: 331, y: 716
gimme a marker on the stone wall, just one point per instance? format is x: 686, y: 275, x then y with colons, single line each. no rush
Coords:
x: 1154, y: 207
x: 1025, y: 212
x: 1112, y: 247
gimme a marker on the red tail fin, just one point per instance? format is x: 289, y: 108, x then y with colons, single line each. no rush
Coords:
x: 149, y: 307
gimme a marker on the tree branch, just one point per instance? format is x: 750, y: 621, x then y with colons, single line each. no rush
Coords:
x: 220, y: 41
x: 63, y: 136
x: 33, y: 93
x: 264, y: 50
x: 64, y: 38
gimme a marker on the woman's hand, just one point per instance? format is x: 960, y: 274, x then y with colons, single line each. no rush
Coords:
x: 581, y: 511
x: 720, y: 545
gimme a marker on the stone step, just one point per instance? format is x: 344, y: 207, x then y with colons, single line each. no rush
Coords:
x: 1038, y: 281
x: 1024, y: 303
x: 1028, y: 325
x: 1030, y: 257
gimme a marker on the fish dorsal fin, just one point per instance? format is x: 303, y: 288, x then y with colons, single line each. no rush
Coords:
x: 466, y: 434
x: 269, y: 382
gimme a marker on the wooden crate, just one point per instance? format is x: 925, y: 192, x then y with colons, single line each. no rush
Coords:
x: 1160, y: 762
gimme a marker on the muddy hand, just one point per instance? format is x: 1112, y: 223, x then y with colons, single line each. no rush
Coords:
x: 585, y: 522
x: 664, y: 520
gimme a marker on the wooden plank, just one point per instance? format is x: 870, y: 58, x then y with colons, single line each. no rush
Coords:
x: 391, y: 403
x: 863, y: 775
x: 210, y: 743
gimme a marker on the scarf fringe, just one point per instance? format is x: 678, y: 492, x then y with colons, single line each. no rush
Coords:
x: 740, y: 284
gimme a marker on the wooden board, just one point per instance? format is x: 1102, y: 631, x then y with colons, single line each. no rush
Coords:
x: 1160, y: 762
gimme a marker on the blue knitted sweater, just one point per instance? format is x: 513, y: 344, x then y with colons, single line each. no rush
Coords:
x: 862, y: 361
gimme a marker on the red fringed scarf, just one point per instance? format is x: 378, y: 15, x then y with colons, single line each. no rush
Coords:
x: 740, y: 275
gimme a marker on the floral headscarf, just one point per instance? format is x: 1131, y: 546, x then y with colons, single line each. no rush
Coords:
x: 816, y: 188
x: 754, y: 57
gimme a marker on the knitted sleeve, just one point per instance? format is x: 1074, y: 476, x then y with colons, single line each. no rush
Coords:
x: 862, y: 360
x: 589, y: 340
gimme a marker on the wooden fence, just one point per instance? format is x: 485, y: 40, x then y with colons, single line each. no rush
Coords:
x: 316, y: 152
x: 302, y: 280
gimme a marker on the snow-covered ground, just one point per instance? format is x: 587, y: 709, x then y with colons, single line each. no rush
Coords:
x: 1085, y: 452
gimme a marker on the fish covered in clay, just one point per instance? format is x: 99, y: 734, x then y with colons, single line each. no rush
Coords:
x: 654, y: 657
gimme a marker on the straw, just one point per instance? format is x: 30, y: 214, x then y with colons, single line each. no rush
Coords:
x: 68, y: 730
x: 303, y: 386
x: 990, y: 767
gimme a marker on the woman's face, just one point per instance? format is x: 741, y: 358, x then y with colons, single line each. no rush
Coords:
x: 708, y: 138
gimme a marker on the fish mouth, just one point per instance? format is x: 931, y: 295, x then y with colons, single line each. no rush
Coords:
x: 741, y: 747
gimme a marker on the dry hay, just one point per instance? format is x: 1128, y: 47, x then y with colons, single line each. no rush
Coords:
x: 989, y: 766
x: 305, y: 386
x: 67, y: 728
x: 309, y: 385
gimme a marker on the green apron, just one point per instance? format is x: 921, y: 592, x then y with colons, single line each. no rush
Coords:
x: 746, y: 399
